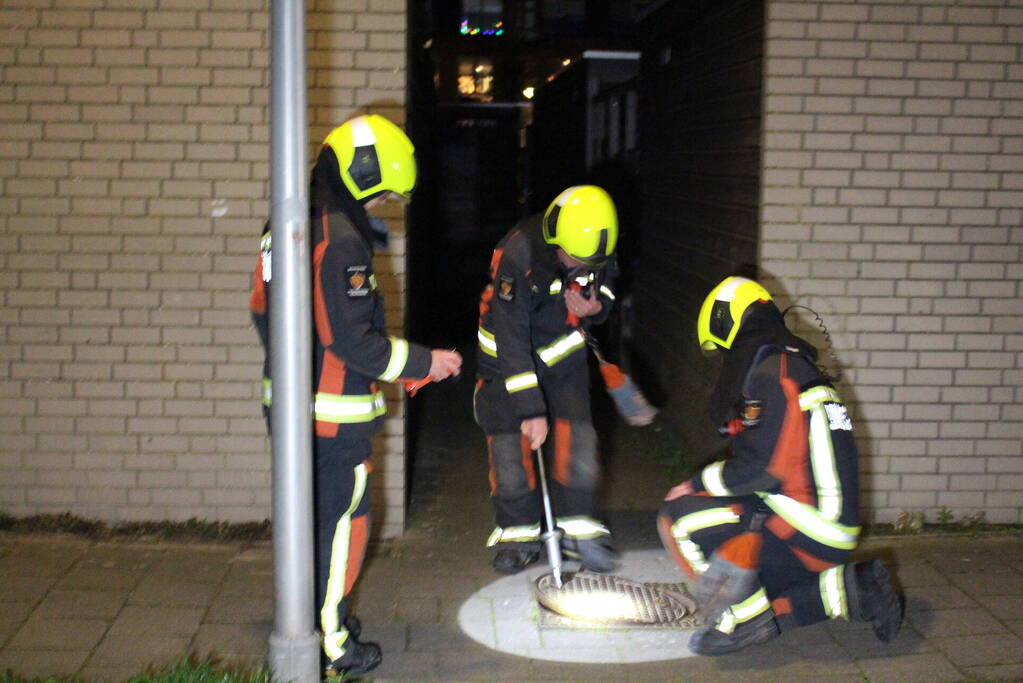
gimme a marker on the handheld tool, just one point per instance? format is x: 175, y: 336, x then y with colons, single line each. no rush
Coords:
x: 551, y: 537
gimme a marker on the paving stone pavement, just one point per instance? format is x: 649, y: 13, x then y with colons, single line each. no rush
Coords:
x: 106, y: 610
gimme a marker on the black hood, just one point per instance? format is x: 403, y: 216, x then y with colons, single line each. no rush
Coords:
x: 762, y: 325
x: 328, y: 193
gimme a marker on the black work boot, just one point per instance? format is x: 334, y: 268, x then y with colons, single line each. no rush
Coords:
x: 353, y: 626
x: 514, y: 560
x: 595, y: 554
x: 713, y: 642
x: 871, y: 596
x: 358, y: 658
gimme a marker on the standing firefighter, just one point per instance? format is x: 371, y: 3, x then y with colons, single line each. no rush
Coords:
x: 363, y: 163
x: 767, y: 532
x: 550, y: 281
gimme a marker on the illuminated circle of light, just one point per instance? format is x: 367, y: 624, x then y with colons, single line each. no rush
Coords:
x: 504, y: 616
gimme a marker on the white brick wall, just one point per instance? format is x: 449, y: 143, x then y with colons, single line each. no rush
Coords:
x: 893, y: 206
x: 133, y: 185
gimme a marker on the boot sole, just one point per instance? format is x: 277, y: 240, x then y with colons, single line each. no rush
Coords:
x: 889, y: 621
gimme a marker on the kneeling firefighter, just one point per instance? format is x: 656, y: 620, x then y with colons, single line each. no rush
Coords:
x: 551, y: 279
x: 767, y: 532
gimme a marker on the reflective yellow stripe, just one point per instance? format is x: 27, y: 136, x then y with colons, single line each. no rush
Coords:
x: 713, y: 479
x: 487, y: 342
x: 266, y: 256
x: 825, y: 470
x: 555, y: 286
x: 525, y: 380
x: 816, y: 396
x: 832, y: 585
x: 809, y: 521
x: 514, y: 534
x: 582, y: 527
x: 372, y: 281
x: 606, y: 291
x: 334, y: 636
x: 350, y: 409
x: 706, y: 518
x: 399, y: 356
x: 687, y: 524
x: 740, y: 613
x: 268, y: 392
x: 561, y: 347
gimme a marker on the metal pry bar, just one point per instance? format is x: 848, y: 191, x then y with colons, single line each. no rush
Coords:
x: 551, y: 537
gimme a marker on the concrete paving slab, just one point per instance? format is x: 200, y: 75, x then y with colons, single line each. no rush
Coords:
x: 36, y: 664
x: 955, y: 622
x: 144, y: 621
x: 966, y: 651
x: 156, y: 590
x: 911, y: 668
x: 81, y: 604
x: 38, y: 633
x: 232, y: 639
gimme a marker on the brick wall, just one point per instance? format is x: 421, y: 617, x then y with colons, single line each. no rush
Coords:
x: 893, y: 187
x: 699, y: 137
x: 133, y: 185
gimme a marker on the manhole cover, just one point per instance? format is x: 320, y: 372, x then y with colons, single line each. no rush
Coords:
x: 588, y: 600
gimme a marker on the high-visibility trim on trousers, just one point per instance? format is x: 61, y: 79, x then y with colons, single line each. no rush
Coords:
x: 514, y: 534
x: 334, y: 634
x: 751, y: 607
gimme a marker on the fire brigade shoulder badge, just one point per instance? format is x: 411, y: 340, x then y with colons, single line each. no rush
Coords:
x: 358, y: 281
x: 506, y: 288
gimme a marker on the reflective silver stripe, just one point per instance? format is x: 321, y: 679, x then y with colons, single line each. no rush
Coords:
x: 582, y: 527
x: 399, y: 356
x: 561, y: 347
x: 334, y: 635
x: 606, y: 291
x: 525, y: 380
x: 833, y: 592
x: 268, y: 392
x: 816, y: 396
x: 514, y: 534
x: 555, y: 286
x: 266, y: 256
x: 809, y: 521
x: 713, y: 479
x: 349, y: 409
x: 487, y: 343
x: 825, y: 470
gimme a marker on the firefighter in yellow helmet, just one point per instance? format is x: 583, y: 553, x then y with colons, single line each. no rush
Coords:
x: 363, y: 163
x: 766, y: 533
x: 550, y: 281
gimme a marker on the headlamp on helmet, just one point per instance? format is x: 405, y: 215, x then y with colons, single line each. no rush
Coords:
x: 582, y: 221
x: 721, y: 313
x: 374, y: 156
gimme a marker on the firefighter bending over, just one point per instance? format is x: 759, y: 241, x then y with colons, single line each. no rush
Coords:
x: 550, y: 281
x: 767, y: 533
x: 363, y: 163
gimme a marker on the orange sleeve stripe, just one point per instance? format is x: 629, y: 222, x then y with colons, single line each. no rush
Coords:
x: 562, y: 451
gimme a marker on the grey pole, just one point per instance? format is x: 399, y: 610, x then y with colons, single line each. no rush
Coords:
x: 294, y: 645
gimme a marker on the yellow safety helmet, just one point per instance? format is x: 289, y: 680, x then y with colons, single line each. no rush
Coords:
x: 374, y: 156
x: 722, y: 310
x: 582, y: 220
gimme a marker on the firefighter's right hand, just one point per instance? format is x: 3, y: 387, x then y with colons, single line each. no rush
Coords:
x: 444, y: 364
x: 535, y: 431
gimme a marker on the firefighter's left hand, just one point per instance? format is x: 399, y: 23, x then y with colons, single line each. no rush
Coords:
x: 581, y: 305
x: 679, y: 490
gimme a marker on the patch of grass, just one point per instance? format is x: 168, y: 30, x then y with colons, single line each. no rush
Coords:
x: 192, y: 529
x: 190, y: 670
